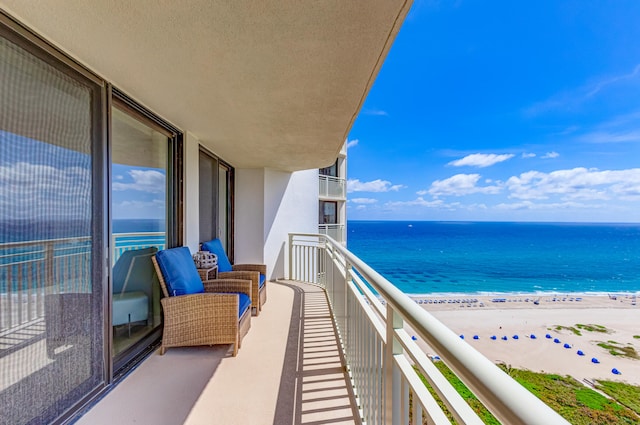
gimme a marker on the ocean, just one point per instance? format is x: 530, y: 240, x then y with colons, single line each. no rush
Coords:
x: 422, y: 257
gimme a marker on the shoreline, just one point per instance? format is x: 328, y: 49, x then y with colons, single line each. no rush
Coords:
x: 544, y: 337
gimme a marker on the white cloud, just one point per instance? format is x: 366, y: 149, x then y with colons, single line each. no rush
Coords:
x: 481, y: 160
x: 377, y: 112
x: 363, y: 200
x: 355, y: 185
x: 419, y: 202
x: 620, y: 136
x: 550, y: 155
x: 528, y: 155
x: 599, y: 85
x: 460, y: 185
x: 572, y: 99
x: 154, y: 208
x: 528, y: 205
x: 36, y: 190
x: 151, y: 181
x: 352, y: 143
x: 576, y: 183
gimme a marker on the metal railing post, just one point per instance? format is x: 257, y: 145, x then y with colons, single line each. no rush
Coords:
x: 392, y: 374
x: 290, y: 256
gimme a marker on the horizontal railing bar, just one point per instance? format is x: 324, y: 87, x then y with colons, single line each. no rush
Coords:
x: 375, y: 321
x: 459, y: 408
x: 375, y: 301
x: 429, y: 404
x: 8, y: 245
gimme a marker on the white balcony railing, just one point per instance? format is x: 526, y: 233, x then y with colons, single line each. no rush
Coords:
x: 380, y: 354
x: 335, y: 231
x: 332, y: 187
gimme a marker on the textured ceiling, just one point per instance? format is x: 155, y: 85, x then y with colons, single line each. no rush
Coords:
x: 273, y: 84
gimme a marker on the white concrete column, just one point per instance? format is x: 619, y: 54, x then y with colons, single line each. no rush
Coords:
x: 191, y: 192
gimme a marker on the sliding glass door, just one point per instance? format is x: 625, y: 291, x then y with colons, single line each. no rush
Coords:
x: 216, y: 200
x: 51, y: 238
x: 140, y: 167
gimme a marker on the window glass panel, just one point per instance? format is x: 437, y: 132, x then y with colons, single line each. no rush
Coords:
x: 328, y: 213
x: 51, y: 334
x: 139, y: 216
x: 208, y: 187
x: 331, y: 170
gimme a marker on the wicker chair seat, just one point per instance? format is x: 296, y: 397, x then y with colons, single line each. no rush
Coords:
x: 255, y: 272
x: 220, y: 315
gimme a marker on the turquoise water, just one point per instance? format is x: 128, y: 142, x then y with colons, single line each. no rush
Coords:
x: 472, y: 257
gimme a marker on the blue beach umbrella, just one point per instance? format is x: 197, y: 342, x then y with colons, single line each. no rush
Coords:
x: 615, y: 371
x: 476, y: 337
x: 415, y: 338
x: 533, y: 336
x: 580, y: 353
x: 548, y: 336
x: 594, y: 360
x: 504, y: 338
x: 493, y: 337
x: 515, y: 337
x: 566, y: 345
x: 461, y: 336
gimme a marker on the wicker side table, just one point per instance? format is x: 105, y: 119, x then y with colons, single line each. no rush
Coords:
x: 208, y: 274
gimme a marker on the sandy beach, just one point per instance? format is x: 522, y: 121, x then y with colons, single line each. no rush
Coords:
x: 519, y: 317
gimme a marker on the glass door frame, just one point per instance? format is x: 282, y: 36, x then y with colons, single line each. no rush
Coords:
x: 123, y: 362
x: 230, y: 199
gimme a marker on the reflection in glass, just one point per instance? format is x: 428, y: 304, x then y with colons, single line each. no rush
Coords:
x: 139, y: 193
x: 51, y: 337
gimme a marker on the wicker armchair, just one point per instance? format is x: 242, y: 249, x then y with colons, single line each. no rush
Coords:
x: 212, y: 317
x: 255, y: 272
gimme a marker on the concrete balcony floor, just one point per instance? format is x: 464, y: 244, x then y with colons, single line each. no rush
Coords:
x: 288, y: 371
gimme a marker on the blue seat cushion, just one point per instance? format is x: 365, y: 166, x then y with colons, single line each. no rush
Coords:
x: 215, y: 246
x: 244, y: 303
x: 179, y: 271
x: 261, y: 282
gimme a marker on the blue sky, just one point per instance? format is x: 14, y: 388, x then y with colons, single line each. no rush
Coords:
x: 503, y: 111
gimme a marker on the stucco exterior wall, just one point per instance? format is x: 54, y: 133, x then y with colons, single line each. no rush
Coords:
x: 269, y: 205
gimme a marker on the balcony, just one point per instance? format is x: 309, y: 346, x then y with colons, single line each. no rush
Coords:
x: 332, y: 188
x: 336, y: 232
x: 325, y: 350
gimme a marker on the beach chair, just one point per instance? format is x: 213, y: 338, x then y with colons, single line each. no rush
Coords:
x: 257, y: 273
x: 196, y: 312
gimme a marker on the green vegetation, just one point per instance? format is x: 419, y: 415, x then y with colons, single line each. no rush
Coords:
x: 575, y: 402
x: 462, y: 389
x: 625, y: 394
x: 594, y: 328
x: 617, y: 349
x: 568, y: 328
x: 577, y: 328
x: 636, y: 336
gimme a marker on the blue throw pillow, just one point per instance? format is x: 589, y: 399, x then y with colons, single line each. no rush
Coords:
x: 179, y: 271
x: 215, y: 246
x: 261, y: 283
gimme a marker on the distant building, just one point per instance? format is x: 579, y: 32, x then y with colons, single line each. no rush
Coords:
x: 332, y: 212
